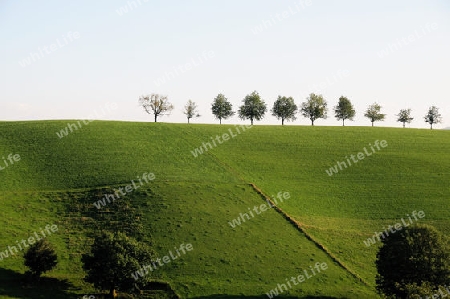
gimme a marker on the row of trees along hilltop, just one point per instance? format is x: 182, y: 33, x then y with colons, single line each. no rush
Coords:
x: 284, y: 108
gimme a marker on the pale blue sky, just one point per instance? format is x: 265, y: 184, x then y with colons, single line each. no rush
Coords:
x: 396, y: 53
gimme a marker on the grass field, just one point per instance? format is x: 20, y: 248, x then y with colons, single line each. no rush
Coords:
x: 193, y: 199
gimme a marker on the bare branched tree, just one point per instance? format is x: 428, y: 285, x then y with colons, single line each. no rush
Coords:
x: 191, y: 110
x: 155, y: 104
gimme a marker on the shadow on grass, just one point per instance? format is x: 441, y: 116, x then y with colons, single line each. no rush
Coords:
x: 264, y: 296
x: 14, y: 284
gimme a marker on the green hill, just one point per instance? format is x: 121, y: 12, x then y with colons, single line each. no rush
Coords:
x: 194, y: 197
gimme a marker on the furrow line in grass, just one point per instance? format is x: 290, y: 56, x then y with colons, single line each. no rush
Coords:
x: 307, y: 235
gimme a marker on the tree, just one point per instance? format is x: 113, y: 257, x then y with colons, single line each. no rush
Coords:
x: 415, y: 256
x: 112, y: 259
x: 191, y: 110
x: 344, y: 110
x: 253, y: 108
x: 221, y: 108
x: 405, y: 116
x: 373, y: 113
x: 155, y: 103
x: 433, y: 116
x: 414, y: 291
x: 284, y: 108
x: 315, y: 107
x: 40, y: 258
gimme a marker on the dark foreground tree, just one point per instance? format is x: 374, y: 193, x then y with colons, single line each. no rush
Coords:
x: 433, y: 116
x: 254, y: 108
x: 221, y: 108
x: 191, y: 110
x: 410, y: 258
x: 404, y: 116
x: 40, y: 258
x: 315, y: 107
x: 284, y: 108
x: 155, y: 104
x: 374, y: 113
x: 112, y: 261
x: 344, y: 110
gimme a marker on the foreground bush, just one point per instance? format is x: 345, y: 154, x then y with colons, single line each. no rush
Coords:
x: 40, y: 258
x: 414, y: 260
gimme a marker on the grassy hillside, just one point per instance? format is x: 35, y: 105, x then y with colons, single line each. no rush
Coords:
x: 193, y: 199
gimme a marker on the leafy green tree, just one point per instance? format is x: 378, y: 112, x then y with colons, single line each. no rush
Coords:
x: 344, y: 110
x: 284, y: 108
x: 253, y: 108
x: 191, y: 110
x: 414, y: 256
x: 155, y: 103
x: 112, y: 260
x: 404, y: 116
x: 221, y: 108
x: 373, y: 113
x: 433, y: 116
x: 315, y: 107
x: 40, y: 258
x: 414, y: 291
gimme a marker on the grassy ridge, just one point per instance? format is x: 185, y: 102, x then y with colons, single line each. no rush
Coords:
x: 198, y: 196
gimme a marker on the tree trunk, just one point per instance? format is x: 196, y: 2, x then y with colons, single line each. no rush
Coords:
x: 112, y: 293
x: 403, y: 125
x: 372, y: 123
x: 220, y: 120
x: 431, y: 126
x: 282, y: 121
x: 188, y: 119
x: 251, y: 121
x: 156, y: 116
x: 312, y: 122
x: 343, y: 122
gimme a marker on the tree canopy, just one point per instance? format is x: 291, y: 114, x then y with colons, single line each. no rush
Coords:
x: 191, y: 110
x: 40, y: 258
x: 433, y: 116
x: 374, y: 113
x: 284, y: 108
x: 314, y: 108
x: 112, y: 260
x: 254, y: 107
x: 415, y: 255
x: 222, y: 108
x: 344, y: 110
x: 155, y: 104
x: 404, y: 116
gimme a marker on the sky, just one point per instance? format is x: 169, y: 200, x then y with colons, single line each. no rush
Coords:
x: 94, y: 59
